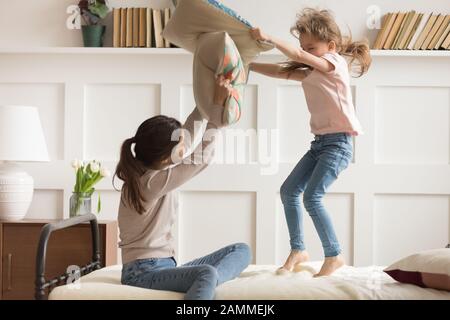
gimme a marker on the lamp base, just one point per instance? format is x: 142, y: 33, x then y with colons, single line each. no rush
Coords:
x: 16, y: 192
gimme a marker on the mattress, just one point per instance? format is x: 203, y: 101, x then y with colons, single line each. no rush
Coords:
x: 259, y: 282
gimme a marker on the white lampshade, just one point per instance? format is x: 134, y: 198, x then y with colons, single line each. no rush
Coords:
x: 21, y: 139
x: 21, y: 135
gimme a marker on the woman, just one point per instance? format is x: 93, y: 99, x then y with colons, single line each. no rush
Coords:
x: 149, y: 204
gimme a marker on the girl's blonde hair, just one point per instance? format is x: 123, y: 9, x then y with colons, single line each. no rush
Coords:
x: 321, y: 25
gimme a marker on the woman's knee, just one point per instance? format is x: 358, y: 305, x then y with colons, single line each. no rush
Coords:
x: 245, y: 250
x: 209, y: 273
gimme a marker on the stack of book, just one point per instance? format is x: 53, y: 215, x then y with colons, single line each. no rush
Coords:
x: 414, y: 31
x: 140, y: 27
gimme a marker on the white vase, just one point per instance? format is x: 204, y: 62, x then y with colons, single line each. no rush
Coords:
x: 16, y: 192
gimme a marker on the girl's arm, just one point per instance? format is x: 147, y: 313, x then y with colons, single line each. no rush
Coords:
x: 294, y: 53
x: 276, y: 71
x: 268, y: 69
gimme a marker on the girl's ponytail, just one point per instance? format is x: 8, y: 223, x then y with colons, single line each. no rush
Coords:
x: 129, y: 170
x: 359, y: 54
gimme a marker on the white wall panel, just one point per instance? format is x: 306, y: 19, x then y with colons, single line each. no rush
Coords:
x: 113, y: 113
x: 401, y: 168
x: 405, y: 224
x: 412, y: 125
x: 211, y: 220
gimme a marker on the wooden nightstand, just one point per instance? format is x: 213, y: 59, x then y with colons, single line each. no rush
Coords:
x: 72, y: 246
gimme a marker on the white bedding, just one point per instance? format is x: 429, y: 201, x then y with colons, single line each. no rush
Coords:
x: 259, y: 282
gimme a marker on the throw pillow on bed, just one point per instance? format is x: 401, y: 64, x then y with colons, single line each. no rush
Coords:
x: 427, y: 269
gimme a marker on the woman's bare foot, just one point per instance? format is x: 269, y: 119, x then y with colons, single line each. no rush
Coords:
x: 330, y: 265
x: 295, y: 257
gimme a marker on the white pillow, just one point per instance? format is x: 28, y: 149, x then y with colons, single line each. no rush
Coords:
x: 430, y: 269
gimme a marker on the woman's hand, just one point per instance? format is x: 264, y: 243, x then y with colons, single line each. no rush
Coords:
x: 257, y: 34
x: 222, y: 90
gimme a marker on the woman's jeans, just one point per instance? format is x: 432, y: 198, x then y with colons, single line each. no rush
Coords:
x: 198, y: 278
x: 317, y: 170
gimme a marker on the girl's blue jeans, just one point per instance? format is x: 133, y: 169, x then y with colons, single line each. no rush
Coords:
x: 316, y: 171
x: 198, y: 278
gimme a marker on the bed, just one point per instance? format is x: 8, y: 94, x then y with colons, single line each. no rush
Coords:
x: 257, y: 282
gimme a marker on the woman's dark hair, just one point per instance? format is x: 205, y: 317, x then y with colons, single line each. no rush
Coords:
x: 153, y: 143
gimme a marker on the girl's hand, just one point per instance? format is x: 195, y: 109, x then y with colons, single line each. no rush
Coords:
x: 257, y: 34
x: 222, y: 90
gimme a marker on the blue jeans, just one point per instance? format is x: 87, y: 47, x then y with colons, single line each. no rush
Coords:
x: 198, y: 278
x: 316, y: 171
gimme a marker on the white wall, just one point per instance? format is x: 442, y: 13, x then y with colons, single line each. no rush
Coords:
x: 42, y: 23
x: 393, y: 200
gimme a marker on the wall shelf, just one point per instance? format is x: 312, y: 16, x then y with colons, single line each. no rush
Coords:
x: 178, y: 51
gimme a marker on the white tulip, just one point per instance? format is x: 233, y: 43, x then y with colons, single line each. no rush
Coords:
x: 94, y: 167
x: 105, y: 172
x: 76, y: 164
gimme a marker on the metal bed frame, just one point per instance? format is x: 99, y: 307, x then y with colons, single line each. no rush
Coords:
x: 41, y: 284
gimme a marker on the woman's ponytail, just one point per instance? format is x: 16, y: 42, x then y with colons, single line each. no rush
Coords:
x: 152, y: 144
x: 129, y: 170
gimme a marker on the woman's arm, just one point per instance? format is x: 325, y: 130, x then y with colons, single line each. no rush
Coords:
x: 170, y: 179
x: 294, y: 53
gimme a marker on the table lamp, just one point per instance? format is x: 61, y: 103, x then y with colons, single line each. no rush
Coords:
x: 21, y: 139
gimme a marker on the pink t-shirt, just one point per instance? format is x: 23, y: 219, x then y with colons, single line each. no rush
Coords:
x: 329, y: 99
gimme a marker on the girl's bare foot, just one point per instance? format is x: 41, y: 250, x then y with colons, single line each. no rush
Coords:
x: 330, y: 265
x: 295, y: 257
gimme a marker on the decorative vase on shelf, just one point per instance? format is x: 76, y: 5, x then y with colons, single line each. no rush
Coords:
x: 80, y: 203
x: 93, y: 35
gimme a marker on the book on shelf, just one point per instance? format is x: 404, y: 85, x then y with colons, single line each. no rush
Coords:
x: 407, y: 30
x: 446, y: 43
x: 129, y: 41
x: 135, y: 27
x: 394, y: 30
x: 417, y: 21
x: 116, y: 27
x: 439, y: 19
x: 167, y: 15
x: 441, y: 33
x: 158, y: 27
x: 149, y: 32
x: 140, y: 27
x: 426, y: 30
x: 401, y: 31
x: 386, y: 26
x: 419, y: 29
x: 123, y: 27
x: 413, y: 31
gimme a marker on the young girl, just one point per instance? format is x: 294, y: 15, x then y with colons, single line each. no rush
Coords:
x: 149, y: 203
x: 320, y: 66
